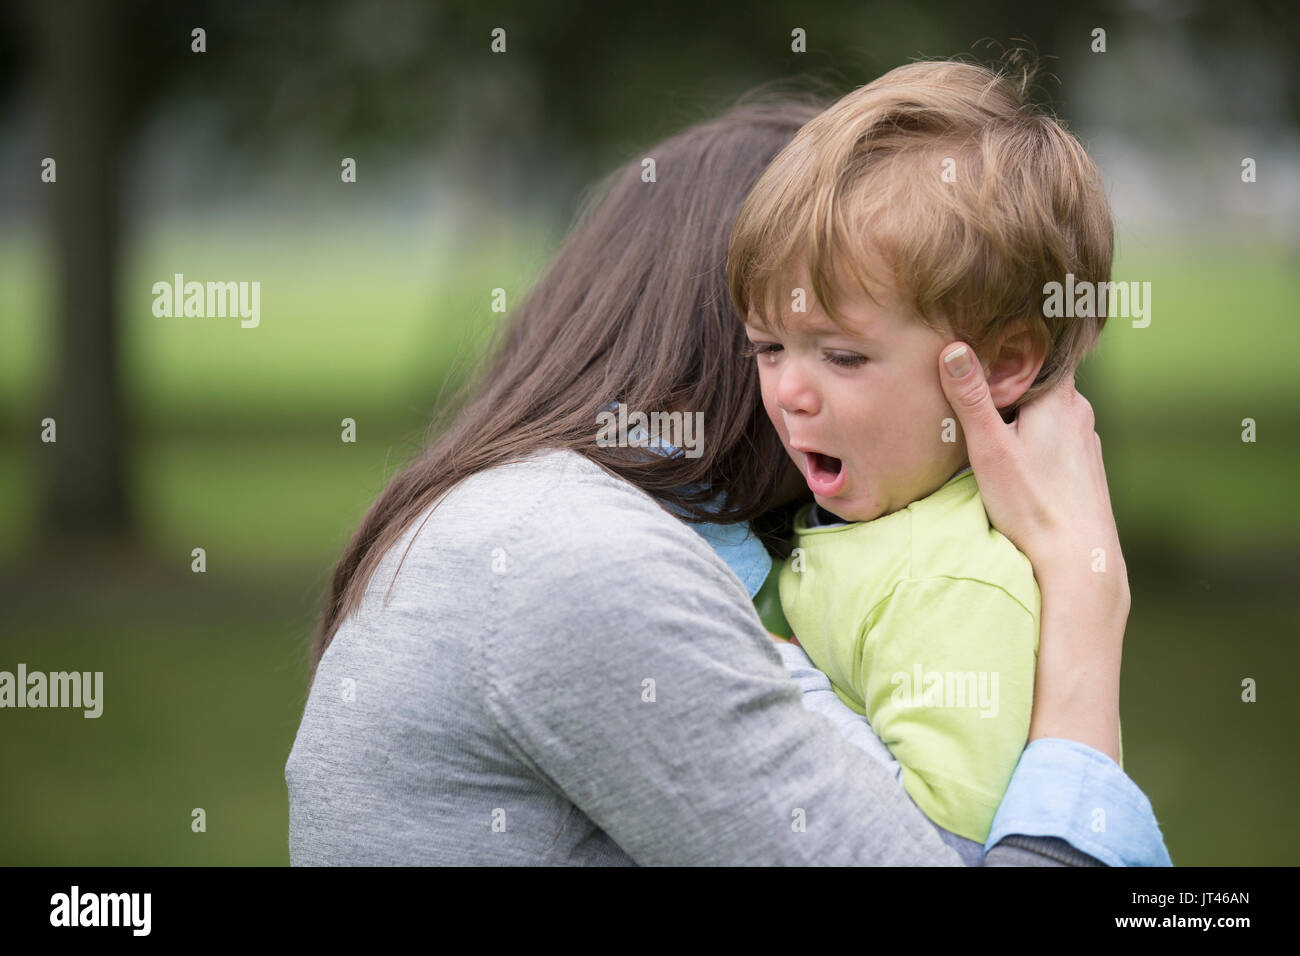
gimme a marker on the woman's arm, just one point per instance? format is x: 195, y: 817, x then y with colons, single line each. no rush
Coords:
x: 1044, y: 486
x: 820, y: 698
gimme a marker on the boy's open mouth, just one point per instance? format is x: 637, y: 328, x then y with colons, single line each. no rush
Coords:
x: 825, y: 475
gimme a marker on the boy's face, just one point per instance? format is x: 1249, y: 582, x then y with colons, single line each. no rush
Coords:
x: 859, y: 410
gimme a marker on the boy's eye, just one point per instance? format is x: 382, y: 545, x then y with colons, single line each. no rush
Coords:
x: 846, y: 359
x: 761, y: 348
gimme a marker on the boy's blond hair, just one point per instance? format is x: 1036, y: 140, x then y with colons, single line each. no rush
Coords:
x: 969, y: 252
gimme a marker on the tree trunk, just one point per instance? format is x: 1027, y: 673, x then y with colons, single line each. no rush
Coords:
x: 83, y: 480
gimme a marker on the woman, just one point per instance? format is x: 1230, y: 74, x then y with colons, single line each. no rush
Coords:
x: 530, y: 656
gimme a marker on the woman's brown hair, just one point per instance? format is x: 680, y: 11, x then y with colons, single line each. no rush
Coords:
x: 634, y: 308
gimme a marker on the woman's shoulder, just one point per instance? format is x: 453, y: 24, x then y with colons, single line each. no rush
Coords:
x: 551, y: 487
x: 552, y: 474
x: 554, y: 511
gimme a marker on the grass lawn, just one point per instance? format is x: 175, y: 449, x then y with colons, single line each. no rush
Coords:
x: 202, y: 695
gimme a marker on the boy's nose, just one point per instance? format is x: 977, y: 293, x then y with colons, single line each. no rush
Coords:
x: 795, y: 392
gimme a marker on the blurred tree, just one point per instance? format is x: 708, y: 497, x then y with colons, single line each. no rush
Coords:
x: 99, y: 70
x: 580, y: 84
x: 78, y: 48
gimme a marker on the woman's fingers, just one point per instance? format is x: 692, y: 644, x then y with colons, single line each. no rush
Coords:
x: 1041, y: 477
x: 968, y: 394
x: 993, y: 446
x: 1043, y: 484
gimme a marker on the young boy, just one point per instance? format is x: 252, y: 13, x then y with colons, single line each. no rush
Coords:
x: 929, y: 205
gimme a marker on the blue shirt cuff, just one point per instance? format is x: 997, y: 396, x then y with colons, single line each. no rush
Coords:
x: 1062, y: 788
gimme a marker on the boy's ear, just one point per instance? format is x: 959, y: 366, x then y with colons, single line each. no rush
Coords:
x: 1013, y: 361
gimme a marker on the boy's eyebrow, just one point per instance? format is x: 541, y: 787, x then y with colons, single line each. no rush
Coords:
x: 819, y: 327
x: 827, y: 327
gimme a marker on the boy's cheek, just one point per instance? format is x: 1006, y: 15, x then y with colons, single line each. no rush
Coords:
x: 774, y: 416
x: 773, y: 412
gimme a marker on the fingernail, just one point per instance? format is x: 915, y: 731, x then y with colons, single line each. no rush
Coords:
x: 958, y: 362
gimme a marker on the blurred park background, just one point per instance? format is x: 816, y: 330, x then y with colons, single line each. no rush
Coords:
x: 179, y: 433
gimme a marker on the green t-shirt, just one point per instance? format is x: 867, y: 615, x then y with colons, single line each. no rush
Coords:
x: 925, y: 621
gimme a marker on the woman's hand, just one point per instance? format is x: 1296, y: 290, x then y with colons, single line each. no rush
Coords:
x: 1044, y: 486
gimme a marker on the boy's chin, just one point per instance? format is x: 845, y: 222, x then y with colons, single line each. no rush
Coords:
x: 853, y: 509
x: 847, y: 509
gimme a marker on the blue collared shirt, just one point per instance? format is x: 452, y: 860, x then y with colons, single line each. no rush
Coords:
x: 735, y: 544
